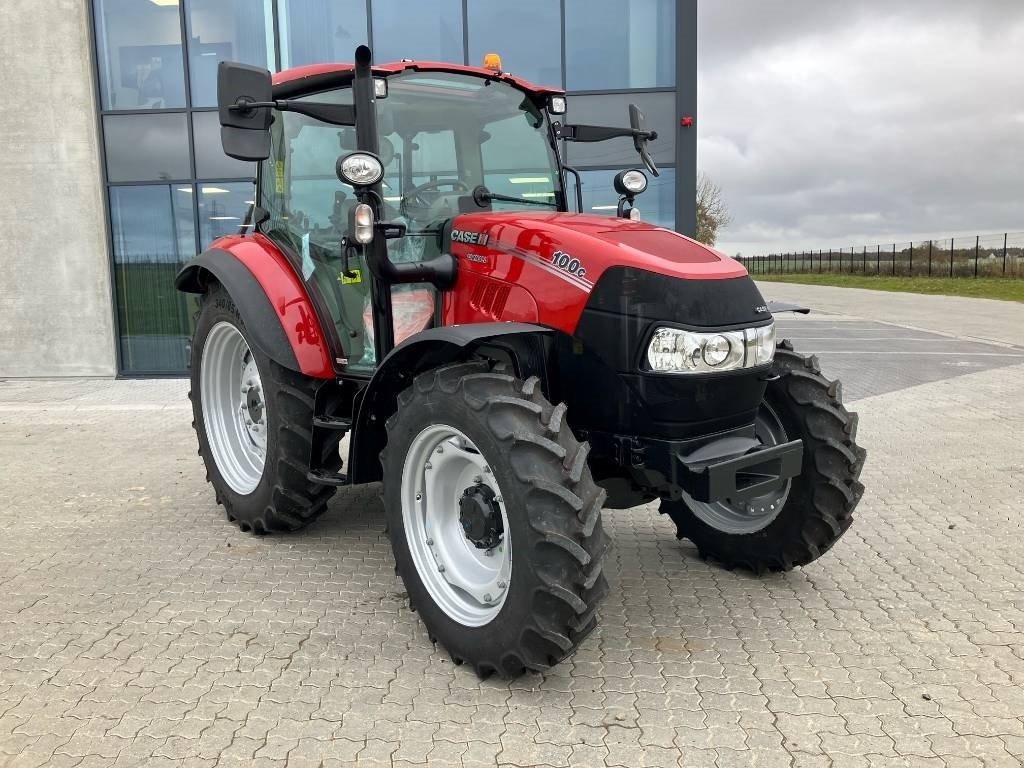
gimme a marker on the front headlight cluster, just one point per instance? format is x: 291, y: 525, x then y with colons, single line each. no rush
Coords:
x: 673, y: 350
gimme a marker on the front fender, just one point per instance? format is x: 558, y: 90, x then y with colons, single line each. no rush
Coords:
x: 525, y: 344
x: 270, y: 297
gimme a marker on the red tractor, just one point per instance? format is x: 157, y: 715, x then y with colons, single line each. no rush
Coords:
x: 410, y: 275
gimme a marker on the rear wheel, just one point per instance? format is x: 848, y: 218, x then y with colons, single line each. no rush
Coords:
x: 494, y: 519
x: 801, y: 520
x: 253, y: 419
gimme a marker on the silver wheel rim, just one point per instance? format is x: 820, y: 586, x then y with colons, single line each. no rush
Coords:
x: 750, y: 516
x: 468, y: 583
x: 234, y: 408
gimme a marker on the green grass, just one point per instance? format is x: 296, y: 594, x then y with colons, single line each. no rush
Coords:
x: 1003, y: 288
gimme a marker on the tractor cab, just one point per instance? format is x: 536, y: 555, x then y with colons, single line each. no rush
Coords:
x: 441, y: 139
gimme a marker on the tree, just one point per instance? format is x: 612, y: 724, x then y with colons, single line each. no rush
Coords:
x: 712, y: 213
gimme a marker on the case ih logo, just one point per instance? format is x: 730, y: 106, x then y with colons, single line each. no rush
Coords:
x: 470, y: 238
x: 567, y: 263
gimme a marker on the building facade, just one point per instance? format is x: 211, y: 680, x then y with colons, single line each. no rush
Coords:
x: 152, y: 186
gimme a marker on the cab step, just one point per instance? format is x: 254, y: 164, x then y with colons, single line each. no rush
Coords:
x: 326, y: 477
x: 339, y: 423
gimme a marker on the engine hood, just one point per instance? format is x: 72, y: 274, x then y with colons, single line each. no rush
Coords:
x: 580, y: 247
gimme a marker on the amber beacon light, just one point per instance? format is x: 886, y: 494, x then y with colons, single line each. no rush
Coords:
x: 492, y: 61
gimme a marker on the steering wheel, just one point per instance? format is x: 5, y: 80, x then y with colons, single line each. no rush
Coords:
x: 417, y: 205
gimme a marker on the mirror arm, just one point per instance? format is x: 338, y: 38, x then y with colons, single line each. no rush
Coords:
x: 589, y: 133
x: 337, y: 114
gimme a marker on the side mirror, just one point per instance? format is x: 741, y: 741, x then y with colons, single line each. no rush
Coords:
x: 245, y: 130
x: 640, y: 137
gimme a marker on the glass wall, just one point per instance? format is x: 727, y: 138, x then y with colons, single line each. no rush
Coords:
x: 611, y: 44
x: 172, y: 191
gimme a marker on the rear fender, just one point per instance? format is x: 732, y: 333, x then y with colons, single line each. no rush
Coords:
x: 527, y: 347
x: 270, y: 297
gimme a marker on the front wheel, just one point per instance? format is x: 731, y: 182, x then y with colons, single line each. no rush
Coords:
x: 494, y: 519
x: 801, y: 520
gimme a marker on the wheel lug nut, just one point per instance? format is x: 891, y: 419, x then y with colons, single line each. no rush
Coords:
x: 502, y: 585
x: 430, y: 542
x: 419, y: 497
x: 487, y: 598
x: 440, y: 568
x: 428, y: 465
x: 440, y: 449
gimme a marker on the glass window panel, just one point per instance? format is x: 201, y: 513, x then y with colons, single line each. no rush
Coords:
x: 146, y: 147
x: 527, y: 34
x: 139, y: 50
x: 429, y: 30
x: 657, y: 204
x: 613, y: 109
x: 319, y: 31
x: 153, y: 235
x: 211, y: 162
x: 222, y: 209
x: 615, y: 44
x: 226, y: 30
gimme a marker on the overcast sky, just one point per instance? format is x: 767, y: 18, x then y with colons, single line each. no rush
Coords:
x: 832, y: 123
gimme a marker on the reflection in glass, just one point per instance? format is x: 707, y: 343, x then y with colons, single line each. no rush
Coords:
x: 222, y: 209
x: 211, y: 162
x: 429, y: 30
x: 527, y: 34
x: 321, y: 31
x: 146, y: 147
x: 657, y: 204
x: 138, y: 45
x: 226, y: 30
x: 614, y: 44
x: 153, y: 236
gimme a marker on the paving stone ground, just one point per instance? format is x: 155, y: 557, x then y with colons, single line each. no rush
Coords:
x: 137, y: 627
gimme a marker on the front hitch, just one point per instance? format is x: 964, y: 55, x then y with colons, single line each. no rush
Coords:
x: 715, y: 471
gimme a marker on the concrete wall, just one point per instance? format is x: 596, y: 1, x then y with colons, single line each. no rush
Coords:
x: 55, y: 296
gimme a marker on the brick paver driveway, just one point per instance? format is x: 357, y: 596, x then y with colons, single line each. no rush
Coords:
x: 137, y: 627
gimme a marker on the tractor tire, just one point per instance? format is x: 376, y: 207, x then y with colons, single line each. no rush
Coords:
x: 817, y: 508
x: 260, y: 493
x: 497, y: 440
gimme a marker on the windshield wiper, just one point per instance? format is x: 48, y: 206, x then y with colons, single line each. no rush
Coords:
x: 482, y: 195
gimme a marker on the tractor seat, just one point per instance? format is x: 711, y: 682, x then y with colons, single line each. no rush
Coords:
x: 413, y: 308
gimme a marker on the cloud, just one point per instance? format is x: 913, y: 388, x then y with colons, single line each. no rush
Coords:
x: 838, y: 124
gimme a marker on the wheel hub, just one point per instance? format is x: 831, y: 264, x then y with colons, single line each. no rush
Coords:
x: 480, y: 516
x: 252, y: 411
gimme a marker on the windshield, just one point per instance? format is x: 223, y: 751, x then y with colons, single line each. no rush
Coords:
x: 445, y: 134
x: 441, y: 135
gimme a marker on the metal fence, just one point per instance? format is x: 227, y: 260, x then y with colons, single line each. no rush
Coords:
x: 1000, y: 255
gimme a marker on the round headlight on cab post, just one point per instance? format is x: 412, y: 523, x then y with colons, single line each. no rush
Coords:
x: 630, y: 183
x: 360, y: 169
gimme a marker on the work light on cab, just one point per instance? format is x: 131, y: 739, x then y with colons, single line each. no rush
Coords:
x: 360, y: 169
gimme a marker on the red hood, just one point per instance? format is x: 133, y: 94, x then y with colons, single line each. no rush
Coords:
x: 596, y: 242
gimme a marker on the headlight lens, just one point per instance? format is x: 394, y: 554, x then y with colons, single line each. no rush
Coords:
x: 674, y: 350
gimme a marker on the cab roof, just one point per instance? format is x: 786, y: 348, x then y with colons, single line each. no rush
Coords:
x: 317, y: 76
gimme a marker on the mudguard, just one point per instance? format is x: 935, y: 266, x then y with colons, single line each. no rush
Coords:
x: 775, y: 307
x: 525, y: 344
x: 271, y: 299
